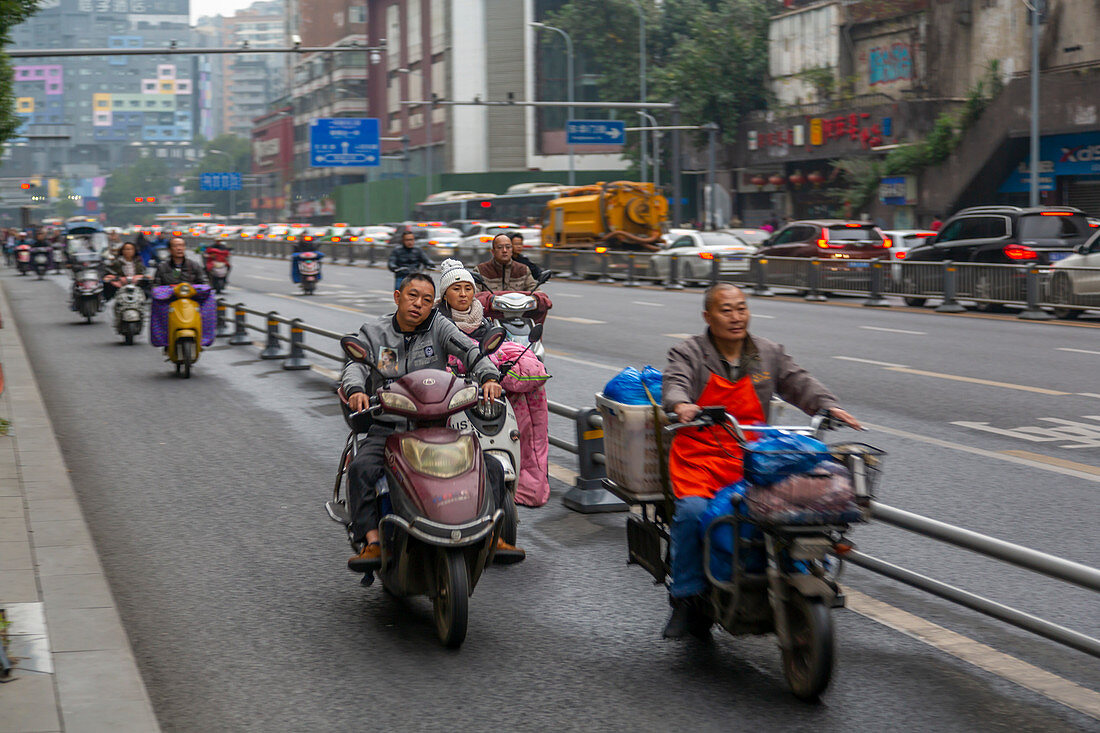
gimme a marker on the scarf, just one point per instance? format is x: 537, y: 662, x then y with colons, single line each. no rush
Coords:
x: 469, y: 320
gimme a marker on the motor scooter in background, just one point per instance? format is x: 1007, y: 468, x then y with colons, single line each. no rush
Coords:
x: 518, y: 312
x: 87, y: 290
x: 216, y: 259
x: 42, y: 259
x: 23, y: 258
x: 129, y: 306
x: 439, y: 525
x: 305, y: 269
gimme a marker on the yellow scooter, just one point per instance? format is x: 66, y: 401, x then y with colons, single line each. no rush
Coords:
x: 184, y: 329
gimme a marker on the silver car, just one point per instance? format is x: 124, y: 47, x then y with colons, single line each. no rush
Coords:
x: 901, y: 241
x: 695, y: 254
x: 1071, y: 283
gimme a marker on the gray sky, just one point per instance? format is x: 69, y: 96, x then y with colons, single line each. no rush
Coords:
x: 200, y: 8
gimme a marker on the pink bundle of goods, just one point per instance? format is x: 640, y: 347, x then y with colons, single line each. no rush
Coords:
x: 822, y: 495
x: 158, y: 318
x: 523, y: 385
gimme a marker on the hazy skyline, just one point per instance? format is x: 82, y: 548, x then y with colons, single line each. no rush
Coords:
x: 200, y: 8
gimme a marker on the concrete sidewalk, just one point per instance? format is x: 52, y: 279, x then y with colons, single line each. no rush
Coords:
x: 73, y: 666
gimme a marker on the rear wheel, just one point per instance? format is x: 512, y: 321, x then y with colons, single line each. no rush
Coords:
x: 452, y: 598
x: 1061, y: 291
x: 510, y: 525
x: 129, y: 338
x: 808, y: 664
x: 916, y: 302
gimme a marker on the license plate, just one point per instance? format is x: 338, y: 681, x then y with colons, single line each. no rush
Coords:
x: 40, y: 259
x: 1055, y: 256
x: 859, y: 264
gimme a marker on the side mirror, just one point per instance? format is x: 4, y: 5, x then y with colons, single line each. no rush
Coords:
x: 545, y: 276
x: 1084, y: 249
x: 355, y: 349
x: 492, y: 340
x: 536, y: 333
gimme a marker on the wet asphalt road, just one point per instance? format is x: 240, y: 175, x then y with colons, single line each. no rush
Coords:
x: 204, y: 498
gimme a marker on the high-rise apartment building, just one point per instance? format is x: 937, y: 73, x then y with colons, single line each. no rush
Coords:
x: 250, y: 82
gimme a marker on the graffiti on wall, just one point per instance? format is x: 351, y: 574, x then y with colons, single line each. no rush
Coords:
x: 888, y: 64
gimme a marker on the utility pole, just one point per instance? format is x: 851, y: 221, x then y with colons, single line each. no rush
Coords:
x: 1033, y: 193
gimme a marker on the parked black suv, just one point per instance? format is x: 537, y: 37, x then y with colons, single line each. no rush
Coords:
x: 994, y: 235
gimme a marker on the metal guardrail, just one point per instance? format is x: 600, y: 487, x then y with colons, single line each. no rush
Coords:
x: 588, y: 495
x: 1068, y: 291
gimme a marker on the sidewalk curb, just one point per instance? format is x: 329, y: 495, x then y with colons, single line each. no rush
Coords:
x: 51, y: 580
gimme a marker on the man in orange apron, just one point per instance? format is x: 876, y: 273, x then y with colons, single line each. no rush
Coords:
x: 728, y: 367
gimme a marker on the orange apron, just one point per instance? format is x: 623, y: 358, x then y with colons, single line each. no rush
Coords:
x: 704, y: 460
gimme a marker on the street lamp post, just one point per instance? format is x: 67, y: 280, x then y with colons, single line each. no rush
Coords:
x: 426, y: 93
x: 712, y: 144
x: 232, y: 164
x: 1033, y: 11
x: 642, y: 82
x: 569, y: 73
x: 656, y: 150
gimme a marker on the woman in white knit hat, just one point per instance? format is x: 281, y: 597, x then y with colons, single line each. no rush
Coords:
x: 457, y: 302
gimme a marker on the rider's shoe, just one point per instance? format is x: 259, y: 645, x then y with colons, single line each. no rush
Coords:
x: 680, y: 622
x: 507, y: 554
x: 368, y: 559
x: 699, y: 621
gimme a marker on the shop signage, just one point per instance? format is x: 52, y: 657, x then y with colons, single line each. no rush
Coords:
x: 1059, y: 155
x: 857, y: 127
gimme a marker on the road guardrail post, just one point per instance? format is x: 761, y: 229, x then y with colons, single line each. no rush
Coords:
x: 575, y: 266
x: 875, y: 300
x: 240, y: 332
x: 813, y: 282
x: 297, y: 358
x: 223, y: 329
x: 370, y: 255
x: 1033, y: 312
x: 950, y: 289
x: 271, y: 349
x: 605, y: 268
x: 630, y: 281
x: 351, y: 254
x: 759, y: 268
x: 588, y: 496
x: 715, y: 268
x: 673, y: 282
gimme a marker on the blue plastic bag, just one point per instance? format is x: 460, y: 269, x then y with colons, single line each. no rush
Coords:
x: 773, y: 459
x: 626, y: 386
x: 730, y: 500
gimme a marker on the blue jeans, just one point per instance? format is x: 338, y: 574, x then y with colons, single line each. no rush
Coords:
x: 687, y: 548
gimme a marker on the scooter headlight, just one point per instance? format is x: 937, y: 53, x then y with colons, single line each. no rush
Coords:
x: 445, y: 460
x: 463, y: 398
x: 394, y: 401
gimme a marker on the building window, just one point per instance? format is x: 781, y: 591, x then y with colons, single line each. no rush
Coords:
x: 357, y: 14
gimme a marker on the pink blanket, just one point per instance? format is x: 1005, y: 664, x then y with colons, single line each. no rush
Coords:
x: 523, y: 385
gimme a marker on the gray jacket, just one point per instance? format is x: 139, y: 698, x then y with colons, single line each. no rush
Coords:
x: 691, y: 362
x: 397, y: 353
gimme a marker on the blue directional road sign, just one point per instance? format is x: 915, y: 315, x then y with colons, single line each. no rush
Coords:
x: 341, y: 142
x: 220, y: 181
x: 595, y: 132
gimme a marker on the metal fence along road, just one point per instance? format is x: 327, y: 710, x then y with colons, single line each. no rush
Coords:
x: 588, y: 495
x: 1043, y: 291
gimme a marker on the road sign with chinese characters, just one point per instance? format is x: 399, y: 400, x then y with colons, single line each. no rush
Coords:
x: 595, y: 132
x: 220, y: 181
x: 342, y: 142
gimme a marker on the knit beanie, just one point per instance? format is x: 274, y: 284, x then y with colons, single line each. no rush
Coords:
x: 452, y: 272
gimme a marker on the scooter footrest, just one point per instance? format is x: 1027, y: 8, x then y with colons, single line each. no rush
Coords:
x: 338, y: 512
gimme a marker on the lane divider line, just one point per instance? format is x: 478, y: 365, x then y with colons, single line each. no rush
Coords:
x: 980, y: 655
x: 1079, y: 351
x: 1074, y: 465
x: 999, y: 455
x: 894, y: 330
x: 332, y: 306
x: 985, y: 657
x: 585, y: 362
x: 1088, y: 394
x: 975, y: 380
x: 870, y: 361
x: 646, y: 302
x: 577, y: 319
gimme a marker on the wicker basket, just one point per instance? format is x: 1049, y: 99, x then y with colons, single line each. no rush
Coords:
x: 630, y: 445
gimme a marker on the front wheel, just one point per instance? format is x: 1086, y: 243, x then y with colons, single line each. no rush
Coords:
x: 1061, y: 292
x: 129, y: 338
x: 808, y: 664
x: 452, y: 598
x: 185, y: 353
x: 915, y: 302
x: 510, y: 524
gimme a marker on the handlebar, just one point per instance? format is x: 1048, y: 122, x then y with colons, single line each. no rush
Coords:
x: 710, y: 416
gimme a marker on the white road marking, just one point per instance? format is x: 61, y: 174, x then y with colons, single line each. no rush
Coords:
x: 894, y: 330
x: 330, y: 306
x: 975, y: 380
x: 761, y: 315
x: 576, y: 319
x: 1007, y: 667
x: 1088, y: 394
x: 679, y: 336
x: 646, y: 302
x: 870, y: 361
x: 1079, y: 351
x: 265, y: 277
x: 567, y: 295
x: 1000, y: 456
x: 1078, y: 434
x: 585, y: 362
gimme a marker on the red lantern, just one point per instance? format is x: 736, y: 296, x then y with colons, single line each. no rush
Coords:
x: 797, y: 179
x: 777, y: 180
x: 758, y: 180
x: 816, y: 178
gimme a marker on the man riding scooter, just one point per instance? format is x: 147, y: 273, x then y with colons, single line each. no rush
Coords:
x: 178, y: 269
x: 729, y: 368
x: 407, y: 257
x: 502, y: 273
x: 414, y: 337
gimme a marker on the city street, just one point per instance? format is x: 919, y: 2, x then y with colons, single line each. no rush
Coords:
x: 204, y: 498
